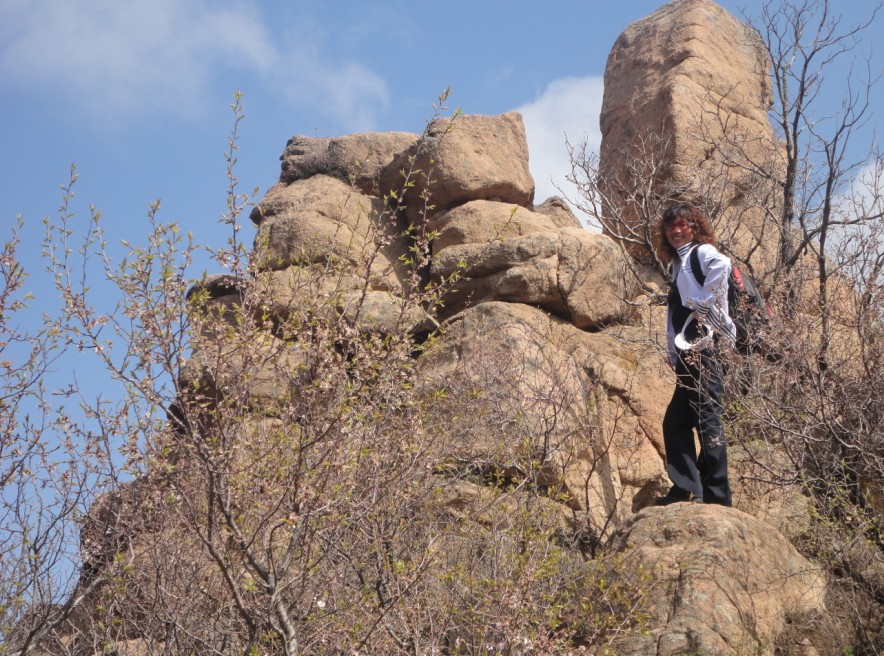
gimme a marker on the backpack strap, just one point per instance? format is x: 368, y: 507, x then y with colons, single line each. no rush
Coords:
x: 696, y: 269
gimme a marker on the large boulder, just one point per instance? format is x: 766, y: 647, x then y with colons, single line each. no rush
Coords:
x: 718, y: 581
x: 356, y: 158
x: 297, y: 294
x: 259, y: 372
x: 559, y: 212
x: 324, y: 220
x: 297, y: 290
x: 687, y: 90
x: 469, y: 157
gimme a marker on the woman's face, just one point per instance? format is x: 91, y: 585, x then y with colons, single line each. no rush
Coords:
x: 678, y: 233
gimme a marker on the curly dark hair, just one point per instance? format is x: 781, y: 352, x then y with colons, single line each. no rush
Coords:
x: 700, y: 226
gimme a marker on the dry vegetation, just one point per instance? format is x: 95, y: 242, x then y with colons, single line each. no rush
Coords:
x: 274, y: 478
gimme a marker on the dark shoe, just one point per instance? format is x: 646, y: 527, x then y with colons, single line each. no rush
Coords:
x: 677, y: 495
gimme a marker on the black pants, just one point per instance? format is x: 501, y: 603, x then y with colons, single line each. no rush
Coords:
x: 696, y: 405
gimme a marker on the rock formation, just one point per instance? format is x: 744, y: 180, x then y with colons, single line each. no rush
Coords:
x: 726, y: 583
x: 357, y: 158
x: 528, y: 284
x: 687, y: 91
x: 512, y: 254
x: 549, y: 387
x: 484, y: 158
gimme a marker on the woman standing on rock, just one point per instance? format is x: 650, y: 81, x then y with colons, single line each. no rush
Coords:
x: 697, y: 319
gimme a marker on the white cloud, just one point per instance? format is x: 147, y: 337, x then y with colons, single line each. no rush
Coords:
x: 862, y: 199
x: 108, y: 57
x: 350, y: 92
x: 867, y: 189
x: 567, y: 107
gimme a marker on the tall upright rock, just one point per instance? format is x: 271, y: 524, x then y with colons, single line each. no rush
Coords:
x: 684, y: 114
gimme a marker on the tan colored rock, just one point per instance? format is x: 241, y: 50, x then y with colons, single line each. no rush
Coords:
x: 673, y: 81
x: 303, y: 289
x: 355, y: 158
x: 573, y: 273
x: 114, y: 519
x: 559, y: 211
x: 718, y: 581
x: 485, y: 505
x: 262, y: 375
x: 384, y: 313
x: 300, y: 293
x: 785, y: 507
x: 215, y: 304
x: 469, y: 157
x: 554, y: 406
x: 484, y: 221
x: 323, y: 220
x: 593, y: 279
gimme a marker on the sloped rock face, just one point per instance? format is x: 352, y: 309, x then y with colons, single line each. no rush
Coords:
x: 484, y: 221
x: 321, y: 219
x: 553, y: 405
x: 559, y: 212
x: 724, y: 582
x: 688, y: 88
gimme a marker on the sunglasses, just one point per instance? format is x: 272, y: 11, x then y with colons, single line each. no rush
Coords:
x: 677, y: 225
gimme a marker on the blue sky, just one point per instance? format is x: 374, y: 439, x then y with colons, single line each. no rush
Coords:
x: 137, y: 93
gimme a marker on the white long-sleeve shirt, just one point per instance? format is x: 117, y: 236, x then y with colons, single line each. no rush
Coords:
x: 709, y: 301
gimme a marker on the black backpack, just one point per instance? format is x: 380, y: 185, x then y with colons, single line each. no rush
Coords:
x: 746, y: 306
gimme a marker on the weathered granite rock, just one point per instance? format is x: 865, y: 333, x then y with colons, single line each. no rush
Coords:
x: 356, y: 158
x: 261, y: 375
x: 323, y: 220
x: 215, y: 302
x: 559, y: 211
x: 484, y: 505
x: 298, y: 289
x: 484, y: 221
x: 302, y: 292
x: 532, y: 398
x: 721, y: 581
x: 573, y: 273
x: 470, y: 157
x: 551, y: 418
x: 783, y: 506
x: 691, y: 83
x: 384, y: 313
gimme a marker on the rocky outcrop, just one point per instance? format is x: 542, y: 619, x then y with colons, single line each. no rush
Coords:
x: 531, y: 281
x: 322, y: 219
x: 559, y: 212
x: 572, y: 404
x: 723, y: 581
x: 687, y: 91
x: 551, y: 389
